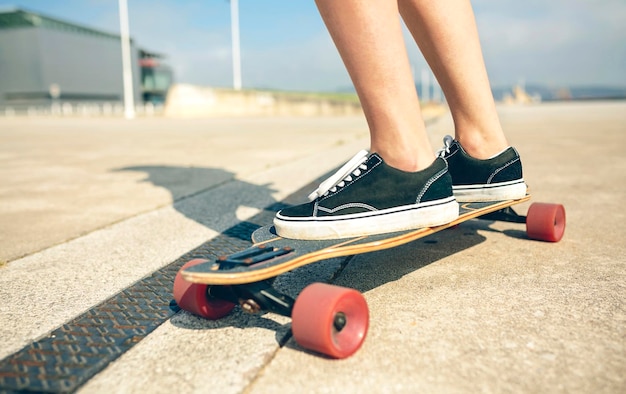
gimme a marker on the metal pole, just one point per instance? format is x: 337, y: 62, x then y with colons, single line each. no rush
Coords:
x: 234, y: 25
x: 127, y: 70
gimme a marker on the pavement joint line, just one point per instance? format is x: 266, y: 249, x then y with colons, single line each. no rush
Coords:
x: 137, y: 214
x: 341, y: 268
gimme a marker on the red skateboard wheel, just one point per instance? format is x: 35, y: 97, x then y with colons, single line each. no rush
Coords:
x: 329, y: 319
x: 194, y: 297
x: 545, y: 222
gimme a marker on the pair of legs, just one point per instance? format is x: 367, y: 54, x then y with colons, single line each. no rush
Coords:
x: 368, y: 35
x: 400, y: 185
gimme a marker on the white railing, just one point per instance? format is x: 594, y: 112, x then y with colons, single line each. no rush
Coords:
x: 78, y: 109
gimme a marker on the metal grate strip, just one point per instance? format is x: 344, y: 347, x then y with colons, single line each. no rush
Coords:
x: 73, y: 353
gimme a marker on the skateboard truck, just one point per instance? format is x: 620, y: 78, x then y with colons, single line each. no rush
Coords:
x: 254, y: 297
x: 507, y: 214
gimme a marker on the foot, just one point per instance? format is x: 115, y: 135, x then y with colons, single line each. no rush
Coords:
x: 367, y: 196
x: 494, y: 179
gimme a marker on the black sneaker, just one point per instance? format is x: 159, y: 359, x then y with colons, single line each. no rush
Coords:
x: 495, y: 179
x: 366, y: 196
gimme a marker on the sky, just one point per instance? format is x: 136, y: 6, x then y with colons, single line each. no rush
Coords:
x: 284, y: 44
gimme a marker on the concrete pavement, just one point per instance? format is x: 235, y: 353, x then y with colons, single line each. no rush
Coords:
x: 89, y: 207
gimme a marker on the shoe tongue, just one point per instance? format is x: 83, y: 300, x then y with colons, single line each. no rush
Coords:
x: 374, y: 157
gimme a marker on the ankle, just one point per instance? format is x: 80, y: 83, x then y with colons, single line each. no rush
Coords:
x: 483, y: 148
x: 405, y: 160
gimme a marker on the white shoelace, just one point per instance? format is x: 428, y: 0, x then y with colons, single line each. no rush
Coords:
x: 354, y: 167
x: 447, y: 143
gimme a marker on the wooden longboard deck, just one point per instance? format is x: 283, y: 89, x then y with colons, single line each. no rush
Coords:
x: 298, y: 252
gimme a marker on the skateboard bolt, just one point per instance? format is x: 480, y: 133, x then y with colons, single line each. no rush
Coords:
x: 249, y: 306
x: 340, y: 321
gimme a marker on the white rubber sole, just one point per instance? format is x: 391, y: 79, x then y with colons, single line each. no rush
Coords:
x: 399, y: 219
x: 496, y: 192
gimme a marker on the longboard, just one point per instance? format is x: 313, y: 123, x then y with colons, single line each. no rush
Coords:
x: 272, y: 255
x: 325, y: 318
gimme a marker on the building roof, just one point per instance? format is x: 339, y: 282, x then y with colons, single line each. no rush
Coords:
x: 16, y: 18
x: 12, y: 17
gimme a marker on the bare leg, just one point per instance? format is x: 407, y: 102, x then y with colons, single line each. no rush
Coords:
x: 445, y: 31
x: 368, y: 36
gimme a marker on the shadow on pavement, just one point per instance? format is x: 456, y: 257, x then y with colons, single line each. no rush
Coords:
x: 370, y: 271
x: 212, y: 197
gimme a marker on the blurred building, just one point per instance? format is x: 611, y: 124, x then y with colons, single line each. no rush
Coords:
x: 44, y: 61
x: 156, y: 77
